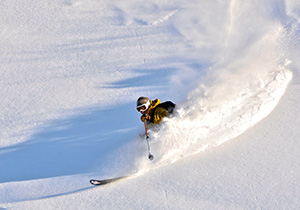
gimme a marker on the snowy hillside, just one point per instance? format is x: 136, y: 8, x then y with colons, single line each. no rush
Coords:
x: 71, y: 71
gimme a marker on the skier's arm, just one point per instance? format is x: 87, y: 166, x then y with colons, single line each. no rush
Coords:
x: 159, y: 114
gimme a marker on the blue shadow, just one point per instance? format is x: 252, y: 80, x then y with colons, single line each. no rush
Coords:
x: 146, y: 77
x: 82, y: 144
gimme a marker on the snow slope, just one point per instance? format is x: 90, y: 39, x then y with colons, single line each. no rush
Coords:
x: 70, y: 74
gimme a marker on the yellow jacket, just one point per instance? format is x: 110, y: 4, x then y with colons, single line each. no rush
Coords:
x: 156, y: 114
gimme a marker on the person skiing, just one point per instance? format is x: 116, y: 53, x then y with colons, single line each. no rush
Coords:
x: 153, y: 111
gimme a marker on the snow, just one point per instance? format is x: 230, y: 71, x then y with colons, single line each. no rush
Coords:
x: 70, y: 74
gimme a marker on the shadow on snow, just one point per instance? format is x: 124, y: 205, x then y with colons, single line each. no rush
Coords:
x: 77, y: 145
x: 95, y: 142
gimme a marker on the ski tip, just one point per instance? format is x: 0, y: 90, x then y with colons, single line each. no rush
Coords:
x: 106, y: 181
x: 95, y: 182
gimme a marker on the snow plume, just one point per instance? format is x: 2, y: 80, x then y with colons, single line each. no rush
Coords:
x: 248, y: 74
x: 209, y: 119
x: 236, y: 64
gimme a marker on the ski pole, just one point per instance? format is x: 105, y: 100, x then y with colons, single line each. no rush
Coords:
x: 150, y: 156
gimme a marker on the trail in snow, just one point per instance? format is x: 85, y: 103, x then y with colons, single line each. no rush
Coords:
x: 247, y: 75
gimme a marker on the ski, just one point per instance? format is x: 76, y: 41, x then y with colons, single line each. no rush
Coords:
x: 106, y: 181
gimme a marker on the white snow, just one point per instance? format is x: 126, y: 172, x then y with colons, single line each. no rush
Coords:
x: 71, y: 71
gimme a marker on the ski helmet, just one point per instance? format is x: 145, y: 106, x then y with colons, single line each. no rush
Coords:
x: 142, y: 100
x: 142, y: 103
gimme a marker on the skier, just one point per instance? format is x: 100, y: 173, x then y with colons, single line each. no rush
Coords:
x: 153, y: 111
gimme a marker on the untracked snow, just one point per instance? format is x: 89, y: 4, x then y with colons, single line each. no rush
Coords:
x: 72, y: 70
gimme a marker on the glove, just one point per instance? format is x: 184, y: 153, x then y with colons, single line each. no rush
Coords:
x: 145, y: 117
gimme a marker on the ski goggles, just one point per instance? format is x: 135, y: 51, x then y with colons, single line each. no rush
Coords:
x: 143, y: 107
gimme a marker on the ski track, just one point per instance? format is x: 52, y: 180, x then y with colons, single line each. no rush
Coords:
x: 253, y: 83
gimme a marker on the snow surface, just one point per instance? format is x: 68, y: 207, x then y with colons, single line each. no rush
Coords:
x: 71, y: 71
